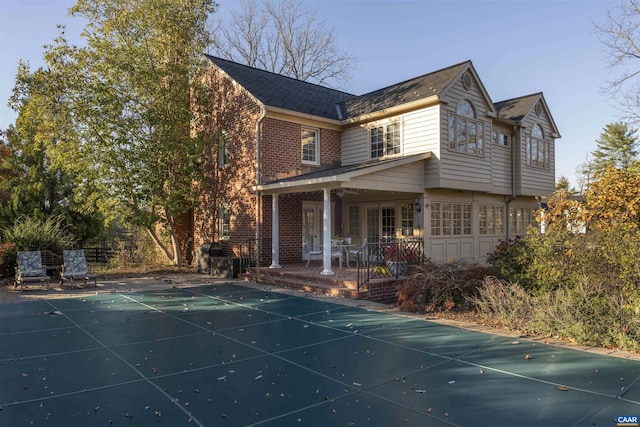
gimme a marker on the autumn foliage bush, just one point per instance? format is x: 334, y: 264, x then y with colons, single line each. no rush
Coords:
x: 580, y: 279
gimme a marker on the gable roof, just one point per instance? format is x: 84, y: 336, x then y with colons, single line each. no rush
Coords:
x: 516, y: 109
x: 278, y: 91
x: 275, y: 90
x: 431, y: 84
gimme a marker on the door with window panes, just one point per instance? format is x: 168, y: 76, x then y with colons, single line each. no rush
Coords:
x: 312, y: 234
x: 380, y: 225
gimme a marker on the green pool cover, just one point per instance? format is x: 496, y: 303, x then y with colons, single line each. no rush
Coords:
x: 231, y: 355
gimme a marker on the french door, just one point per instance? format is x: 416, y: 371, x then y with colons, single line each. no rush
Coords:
x: 311, y: 227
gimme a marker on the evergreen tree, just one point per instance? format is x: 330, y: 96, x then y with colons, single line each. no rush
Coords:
x: 563, y: 184
x: 617, y: 147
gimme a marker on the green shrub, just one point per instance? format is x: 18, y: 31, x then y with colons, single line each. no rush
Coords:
x: 28, y: 233
x: 506, y: 304
x: 510, y: 260
x: 588, y: 314
x: 34, y: 234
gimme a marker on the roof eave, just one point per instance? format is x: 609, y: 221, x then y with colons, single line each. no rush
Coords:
x: 280, y: 113
x: 392, y: 111
x: 335, y: 181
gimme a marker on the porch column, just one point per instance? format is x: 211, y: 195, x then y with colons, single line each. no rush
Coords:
x: 326, y: 233
x: 275, y: 232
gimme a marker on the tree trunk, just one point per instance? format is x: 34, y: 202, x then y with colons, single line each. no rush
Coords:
x: 156, y: 240
x: 177, y: 256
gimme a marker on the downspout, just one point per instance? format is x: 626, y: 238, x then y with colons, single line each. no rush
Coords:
x: 514, y: 188
x: 263, y: 113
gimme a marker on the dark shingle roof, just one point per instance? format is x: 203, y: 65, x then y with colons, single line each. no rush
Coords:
x: 515, y: 109
x: 275, y: 90
x: 411, y: 90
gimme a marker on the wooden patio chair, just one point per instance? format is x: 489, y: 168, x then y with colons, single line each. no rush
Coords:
x: 75, y: 268
x: 29, y: 269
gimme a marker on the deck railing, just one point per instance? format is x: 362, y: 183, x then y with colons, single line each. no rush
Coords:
x: 388, y: 258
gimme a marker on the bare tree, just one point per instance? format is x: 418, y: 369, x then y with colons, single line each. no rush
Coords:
x: 285, y: 38
x: 620, y: 36
x: 585, y: 174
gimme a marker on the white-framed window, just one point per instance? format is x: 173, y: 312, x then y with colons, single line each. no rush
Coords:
x: 406, y: 218
x: 537, y: 148
x: 388, y: 216
x: 224, y: 220
x: 354, y: 220
x: 501, y: 138
x: 385, y: 140
x: 466, y: 134
x: 223, y: 149
x: 450, y: 219
x: 520, y: 219
x: 436, y: 219
x: 491, y: 219
x: 310, y: 146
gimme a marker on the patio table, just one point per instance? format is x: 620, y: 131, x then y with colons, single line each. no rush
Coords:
x: 344, y: 248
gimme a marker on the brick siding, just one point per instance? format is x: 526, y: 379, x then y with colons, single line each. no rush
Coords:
x: 237, y: 113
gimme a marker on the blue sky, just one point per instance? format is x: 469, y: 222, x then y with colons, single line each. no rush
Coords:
x: 518, y: 47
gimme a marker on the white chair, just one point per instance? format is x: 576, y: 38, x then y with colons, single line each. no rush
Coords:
x: 336, y: 251
x: 357, y: 252
x: 312, y: 251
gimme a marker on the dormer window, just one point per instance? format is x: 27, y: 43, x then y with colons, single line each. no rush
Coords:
x: 385, y: 140
x: 466, y: 134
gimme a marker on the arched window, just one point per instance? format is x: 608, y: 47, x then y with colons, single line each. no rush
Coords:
x: 536, y: 131
x: 537, y: 148
x: 466, y: 134
x: 465, y: 109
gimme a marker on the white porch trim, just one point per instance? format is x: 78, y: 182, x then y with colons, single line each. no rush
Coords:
x: 326, y: 233
x: 275, y: 232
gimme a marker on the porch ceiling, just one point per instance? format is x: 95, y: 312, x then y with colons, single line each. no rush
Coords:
x: 341, y: 177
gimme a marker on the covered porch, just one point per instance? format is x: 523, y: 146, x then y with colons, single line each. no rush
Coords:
x: 368, y: 207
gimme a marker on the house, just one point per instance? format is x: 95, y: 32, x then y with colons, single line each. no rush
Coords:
x: 432, y: 158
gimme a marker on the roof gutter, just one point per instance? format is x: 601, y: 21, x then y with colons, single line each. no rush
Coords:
x: 282, y: 114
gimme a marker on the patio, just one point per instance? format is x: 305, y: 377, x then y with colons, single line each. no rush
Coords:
x: 344, y: 282
x: 224, y: 353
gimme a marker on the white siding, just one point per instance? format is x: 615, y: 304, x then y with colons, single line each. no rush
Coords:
x: 355, y: 145
x: 407, y: 178
x: 421, y: 131
x: 419, y: 134
x: 501, y: 164
x: 535, y: 181
x: 465, y: 171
